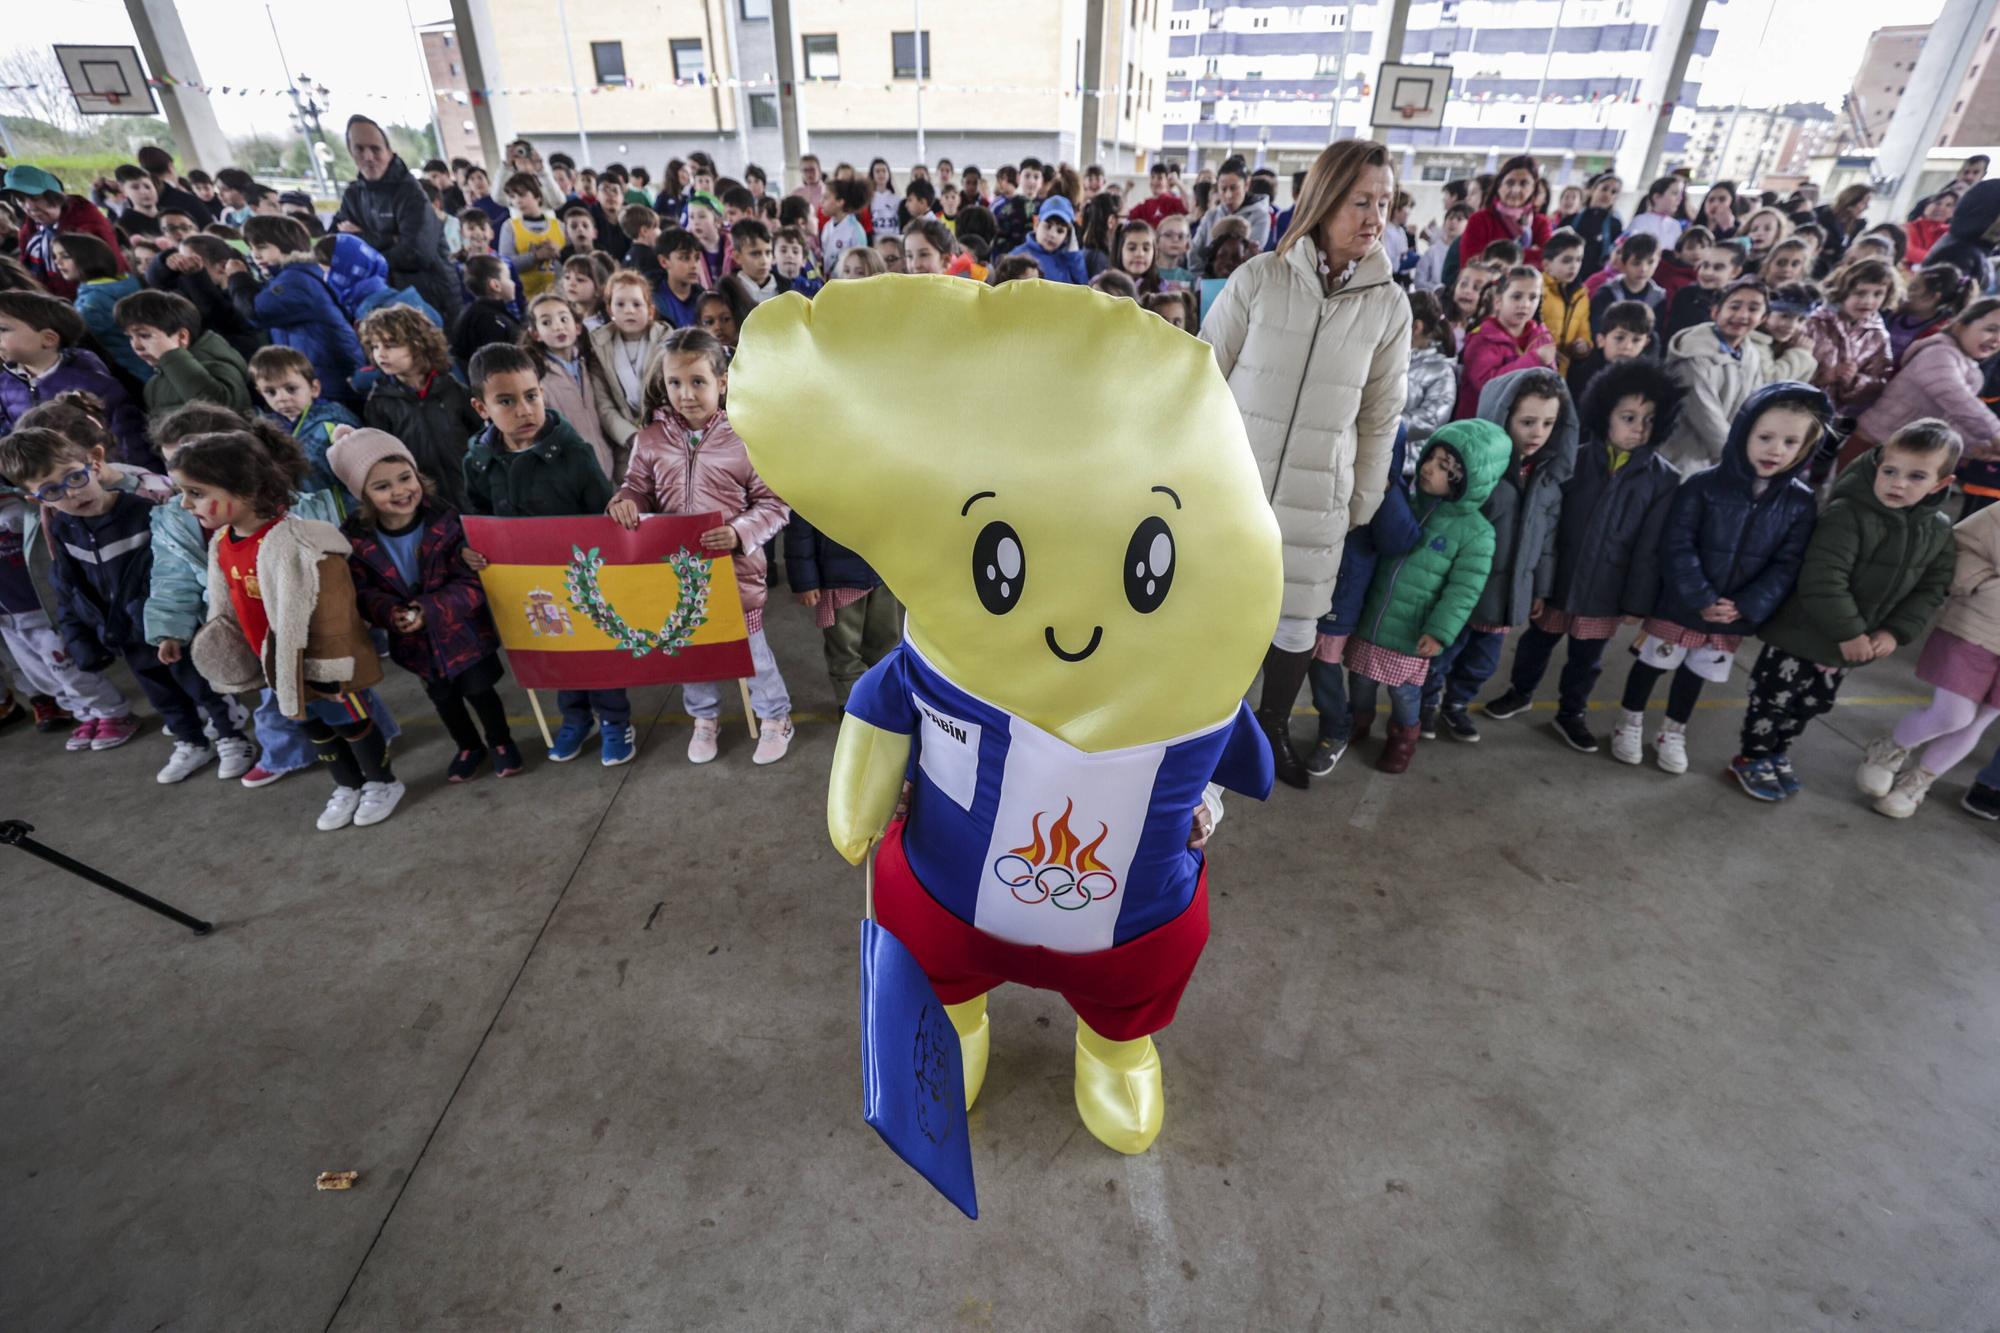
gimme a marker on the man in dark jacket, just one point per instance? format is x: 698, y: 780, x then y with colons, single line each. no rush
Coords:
x: 1975, y: 230
x: 387, y: 208
x: 159, y: 164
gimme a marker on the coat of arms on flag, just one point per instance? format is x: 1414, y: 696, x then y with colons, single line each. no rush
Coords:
x: 584, y: 604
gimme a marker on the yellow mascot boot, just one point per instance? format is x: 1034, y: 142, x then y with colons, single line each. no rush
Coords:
x: 1118, y: 1090
x: 973, y: 1042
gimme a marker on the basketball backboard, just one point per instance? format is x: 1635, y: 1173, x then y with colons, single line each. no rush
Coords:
x: 1411, y: 97
x: 107, y: 80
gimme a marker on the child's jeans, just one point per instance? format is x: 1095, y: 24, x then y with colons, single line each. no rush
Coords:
x: 1404, y: 700
x: 768, y: 696
x: 1467, y: 663
x: 613, y: 708
x: 1579, y: 673
x: 181, y: 696
x: 46, y: 667
x: 1786, y: 693
x: 1329, y: 690
x: 283, y: 743
x: 1989, y: 776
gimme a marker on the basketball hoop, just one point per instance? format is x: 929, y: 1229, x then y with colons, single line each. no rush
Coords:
x: 1410, y: 112
x: 112, y: 98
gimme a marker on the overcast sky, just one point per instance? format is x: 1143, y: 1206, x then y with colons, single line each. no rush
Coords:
x: 363, y: 52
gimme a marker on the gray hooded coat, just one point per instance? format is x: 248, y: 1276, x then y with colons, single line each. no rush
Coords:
x: 1525, y: 506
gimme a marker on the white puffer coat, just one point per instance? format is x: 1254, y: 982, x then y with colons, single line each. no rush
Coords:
x: 1320, y: 381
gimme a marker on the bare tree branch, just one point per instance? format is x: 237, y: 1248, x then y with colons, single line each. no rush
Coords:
x: 49, y: 101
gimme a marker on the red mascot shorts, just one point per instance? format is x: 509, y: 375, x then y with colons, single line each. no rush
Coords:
x: 1123, y: 993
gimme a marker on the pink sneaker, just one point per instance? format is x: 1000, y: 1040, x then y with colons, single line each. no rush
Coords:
x: 260, y: 776
x: 113, y: 732
x: 85, y: 733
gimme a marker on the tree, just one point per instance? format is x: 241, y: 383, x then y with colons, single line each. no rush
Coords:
x: 41, y: 90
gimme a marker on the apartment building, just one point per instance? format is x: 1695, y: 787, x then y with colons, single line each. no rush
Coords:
x: 1886, y: 66
x: 1078, y: 80
x: 1748, y: 144
x: 1577, y: 82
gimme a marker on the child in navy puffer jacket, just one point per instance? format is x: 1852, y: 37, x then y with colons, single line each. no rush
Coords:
x: 1393, y: 531
x: 1735, y: 540
x: 296, y: 306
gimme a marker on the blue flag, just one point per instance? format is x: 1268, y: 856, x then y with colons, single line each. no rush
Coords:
x: 912, y: 1074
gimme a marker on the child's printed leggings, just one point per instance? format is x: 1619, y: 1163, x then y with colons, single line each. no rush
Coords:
x: 352, y: 749
x: 1951, y: 723
x: 1786, y: 693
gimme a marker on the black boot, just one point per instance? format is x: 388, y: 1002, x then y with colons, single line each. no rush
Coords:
x: 1284, y: 673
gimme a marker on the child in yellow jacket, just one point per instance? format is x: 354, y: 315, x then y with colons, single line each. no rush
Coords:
x: 1565, y: 300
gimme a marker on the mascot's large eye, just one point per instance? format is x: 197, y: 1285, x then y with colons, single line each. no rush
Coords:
x: 1149, y: 565
x: 999, y: 568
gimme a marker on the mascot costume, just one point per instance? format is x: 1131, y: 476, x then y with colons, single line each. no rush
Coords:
x: 1092, y: 574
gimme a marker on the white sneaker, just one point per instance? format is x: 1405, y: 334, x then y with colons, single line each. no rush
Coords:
x: 701, y: 745
x: 1672, y: 747
x: 236, y: 755
x: 339, y: 812
x: 774, y: 737
x: 1628, y: 739
x: 187, y: 761
x: 378, y: 802
x: 1907, y: 794
x: 1879, y: 767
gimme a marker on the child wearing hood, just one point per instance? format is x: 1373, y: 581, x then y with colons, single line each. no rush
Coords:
x: 1614, y: 507
x: 689, y: 458
x: 1878, y: 567
x: 1734, y: 539
x: 1393, y: 531
x: 1419, y: 601
x: 1534, y: 411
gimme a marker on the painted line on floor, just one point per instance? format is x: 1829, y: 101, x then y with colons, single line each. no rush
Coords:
x: 1166, y: 1291
x: 1374, y: 799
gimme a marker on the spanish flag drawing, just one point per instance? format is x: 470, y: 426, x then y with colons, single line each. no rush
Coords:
x: 584, y: 604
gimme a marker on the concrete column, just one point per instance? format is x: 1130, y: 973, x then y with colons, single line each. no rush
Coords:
x: 164, y: 43
x: 478, y: 52
x: 1397, y: 27
x: 787, y: 52
x: 1940, y: 72
x: 1639, y: 160
x: 1092, y: 135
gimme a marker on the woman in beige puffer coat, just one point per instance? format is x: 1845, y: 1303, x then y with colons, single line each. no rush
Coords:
x: 1314, y: 340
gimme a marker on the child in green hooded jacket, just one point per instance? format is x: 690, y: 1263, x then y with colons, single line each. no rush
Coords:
x: 1418, y: 602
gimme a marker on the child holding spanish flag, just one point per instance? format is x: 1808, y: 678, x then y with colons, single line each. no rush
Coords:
x: 410, y: 582
x: 688, y: 460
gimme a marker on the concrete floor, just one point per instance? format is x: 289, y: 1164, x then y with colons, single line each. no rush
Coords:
x: 1521, y: 1040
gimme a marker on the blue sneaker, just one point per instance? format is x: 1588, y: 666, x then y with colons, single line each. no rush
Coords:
x: 620, y: 744
x: 1757, y: 778
x: 569, y: 741
x: 1781, y: 768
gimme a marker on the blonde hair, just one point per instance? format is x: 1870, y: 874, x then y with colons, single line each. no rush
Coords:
x: 406, y: 326
x: 1864, y: 273
x: 1328, y: 183
x: 1784, y: 225
x: 871, y: 260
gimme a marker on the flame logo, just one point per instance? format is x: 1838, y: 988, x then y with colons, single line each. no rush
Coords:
x: 1063, y: 848
x: 1058, y: 866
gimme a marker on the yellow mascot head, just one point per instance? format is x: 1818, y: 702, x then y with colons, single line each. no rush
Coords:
x: 1054, y: 482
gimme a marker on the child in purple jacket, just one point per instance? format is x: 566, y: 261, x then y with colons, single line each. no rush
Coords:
x: 39, y: 359
x: 410, y: 581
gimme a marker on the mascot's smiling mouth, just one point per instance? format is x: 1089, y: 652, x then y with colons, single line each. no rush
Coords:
x: 1096, y: 636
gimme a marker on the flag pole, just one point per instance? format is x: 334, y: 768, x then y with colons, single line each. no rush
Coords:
x: 749, y: 715
x: 541, y: 719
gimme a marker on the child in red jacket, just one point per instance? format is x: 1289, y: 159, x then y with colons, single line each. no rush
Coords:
x: 1506, y: 338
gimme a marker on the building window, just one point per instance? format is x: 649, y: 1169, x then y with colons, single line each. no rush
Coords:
x: 755, y: 11
x: 763, y: 111
x: 454, y: 69
x: 822, y: 56
x: 608, y: 57
x: 1207, y: 112
x: 447, y: 38
x: 903, y: 54
x: 688, y: 63
x: 1328, y: 66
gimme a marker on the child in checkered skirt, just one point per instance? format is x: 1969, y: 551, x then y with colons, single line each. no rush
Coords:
x: 1879, y: 566
x: 1420, y: 600
x: 1734, y: 539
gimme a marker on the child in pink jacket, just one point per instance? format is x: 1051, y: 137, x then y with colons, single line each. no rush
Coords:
x: 689, y: 461
x: 1506, y: 338
x: 1941, y: 376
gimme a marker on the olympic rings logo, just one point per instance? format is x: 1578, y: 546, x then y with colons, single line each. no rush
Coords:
x: 1056, y: 884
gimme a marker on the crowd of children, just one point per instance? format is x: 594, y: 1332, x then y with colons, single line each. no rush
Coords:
x: 238, y: 458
